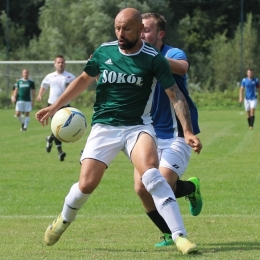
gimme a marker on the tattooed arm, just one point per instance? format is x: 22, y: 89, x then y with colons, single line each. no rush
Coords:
x: 182, y: 111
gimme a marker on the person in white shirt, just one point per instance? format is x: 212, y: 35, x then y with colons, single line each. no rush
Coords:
x: 57, y: 81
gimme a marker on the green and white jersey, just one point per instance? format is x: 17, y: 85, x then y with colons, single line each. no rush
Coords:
x: 25, y: 88
x: 126, y: 84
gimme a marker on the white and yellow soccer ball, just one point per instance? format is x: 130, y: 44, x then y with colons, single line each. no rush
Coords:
x: 69, y: 124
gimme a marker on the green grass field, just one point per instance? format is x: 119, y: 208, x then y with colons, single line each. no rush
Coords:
x: 113, y: 225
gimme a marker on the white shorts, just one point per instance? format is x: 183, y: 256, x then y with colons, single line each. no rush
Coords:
x: 23, y: 106
x: 105, y: 141
x: 249, y: 104
x: 174, y: 154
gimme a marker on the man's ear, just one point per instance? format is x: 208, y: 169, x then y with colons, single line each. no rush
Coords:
x: 161, y: 34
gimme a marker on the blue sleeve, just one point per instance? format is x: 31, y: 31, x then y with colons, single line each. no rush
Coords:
x: 243, y: 83
x: 176, y: 54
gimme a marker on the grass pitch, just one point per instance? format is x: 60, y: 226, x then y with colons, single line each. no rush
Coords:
x: 113, y: 225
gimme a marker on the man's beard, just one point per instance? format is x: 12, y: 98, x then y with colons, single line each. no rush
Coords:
x: 127, y: 44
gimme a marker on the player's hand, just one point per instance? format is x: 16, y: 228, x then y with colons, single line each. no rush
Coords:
x: 39, y: 98
x: 44, y: 114
x: 13, y: 99
x: 194, y: 142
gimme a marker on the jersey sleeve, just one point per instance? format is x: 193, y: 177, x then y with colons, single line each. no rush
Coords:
x: 32, y: 84
x: 92, y: 65
x: 46, y: 82
x: 176, y: 54
x: 17, y: 84
x: 162, y: 71
x: 243, y: 83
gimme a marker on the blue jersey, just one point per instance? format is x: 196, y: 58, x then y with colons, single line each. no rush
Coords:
x: 165, y: 122
x: 250, y: 86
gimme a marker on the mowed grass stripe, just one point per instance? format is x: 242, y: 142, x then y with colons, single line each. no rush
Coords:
x: 113, y: 224
x: 205, y: 216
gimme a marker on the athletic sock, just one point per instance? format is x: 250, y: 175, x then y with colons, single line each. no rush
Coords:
x: 252, y: 120
x: 73, y: 202
x: 51, y: 138
x: 58, y: 145
x: 164, y: 200
x: 248, y: 120
x: 26, y: 121
x: 184, y: 188
x: 158, y: 220
x: 59, y: 148
x: 20, y: 119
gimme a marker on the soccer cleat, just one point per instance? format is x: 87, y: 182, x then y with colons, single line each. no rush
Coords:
x: 185, y: 246
x: 166, y: 240
x: 62, y: 156
x: 55, y: 230
x: 250, y: 128
x: 195, y: 198
x: 48, y: 144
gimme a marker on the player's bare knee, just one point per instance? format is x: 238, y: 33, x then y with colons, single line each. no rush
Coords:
x: 87, y: 188
x: 140, y: 189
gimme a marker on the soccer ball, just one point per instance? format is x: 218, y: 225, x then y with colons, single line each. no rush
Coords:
x: 68, y: 125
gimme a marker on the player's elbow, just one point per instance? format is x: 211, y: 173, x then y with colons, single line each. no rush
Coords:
x: 171, y: 92
x: 183, y: 71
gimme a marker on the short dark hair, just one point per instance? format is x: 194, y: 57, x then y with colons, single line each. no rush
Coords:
x: 59, y: 56
x: 160, y: 20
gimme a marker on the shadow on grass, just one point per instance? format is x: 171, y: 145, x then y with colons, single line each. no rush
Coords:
x: 206, y: 248
x: 151, y: 252
x: 232, y: 246
x: 168, y: 249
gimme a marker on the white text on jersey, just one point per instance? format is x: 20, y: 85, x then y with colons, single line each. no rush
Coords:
x: 118, y: 77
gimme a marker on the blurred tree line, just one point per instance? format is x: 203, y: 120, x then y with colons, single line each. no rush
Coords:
x: 220, y: 48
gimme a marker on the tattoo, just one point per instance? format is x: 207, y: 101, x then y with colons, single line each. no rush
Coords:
x: 180, y: 106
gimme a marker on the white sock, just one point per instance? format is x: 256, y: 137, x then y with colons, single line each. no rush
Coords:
x: 164, y: 200
x: 73, y: 202
x: 20, y: 119
x: 26, y: 121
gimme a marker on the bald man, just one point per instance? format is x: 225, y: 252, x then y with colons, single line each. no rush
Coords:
x: 122, y: 122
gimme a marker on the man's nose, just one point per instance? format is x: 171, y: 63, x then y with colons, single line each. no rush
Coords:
x: 121, y: 32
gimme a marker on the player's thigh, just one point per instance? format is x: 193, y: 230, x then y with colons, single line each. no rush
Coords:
x: 142, y: 148
x: 103, y: 143
x: 176, y: 156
